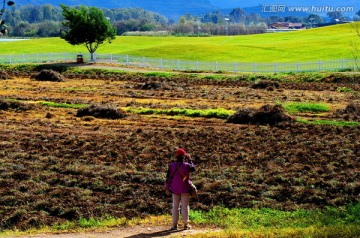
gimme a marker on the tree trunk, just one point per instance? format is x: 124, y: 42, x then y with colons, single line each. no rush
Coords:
x: 92, y: 56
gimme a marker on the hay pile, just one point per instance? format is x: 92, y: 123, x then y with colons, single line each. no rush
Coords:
x: 266, y: 115
x: 49, y: 75
x: 101, y: 112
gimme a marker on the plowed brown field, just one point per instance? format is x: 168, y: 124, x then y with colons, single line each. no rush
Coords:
x: 55, y: 166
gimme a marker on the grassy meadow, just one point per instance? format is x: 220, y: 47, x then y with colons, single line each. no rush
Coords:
x: 334, y: 42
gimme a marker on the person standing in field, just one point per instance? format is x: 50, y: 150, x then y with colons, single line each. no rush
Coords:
x: 178, y: 184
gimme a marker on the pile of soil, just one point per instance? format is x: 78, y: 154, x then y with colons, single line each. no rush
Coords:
x: 342, y: 78
x: 148, y: 86
x: 4, y: 75
x: 265, y: 84
x: 266, y: 115
x: 7, y: 105
x: 101, y: 112
x: 151, y: 86
x: 48, y: 75
x: 350, y: 112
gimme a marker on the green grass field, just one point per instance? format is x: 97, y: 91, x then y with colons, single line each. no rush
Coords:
x: 325, y: 43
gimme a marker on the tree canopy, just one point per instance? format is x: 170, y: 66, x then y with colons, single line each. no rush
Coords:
x: 87, y: 26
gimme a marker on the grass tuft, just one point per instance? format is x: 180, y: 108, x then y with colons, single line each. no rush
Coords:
x: 345, y: 90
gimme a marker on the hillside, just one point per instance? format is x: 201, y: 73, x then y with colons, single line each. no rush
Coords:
x: 309, y: 45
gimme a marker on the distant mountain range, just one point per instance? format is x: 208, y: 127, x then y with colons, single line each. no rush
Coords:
x: 173, y: 9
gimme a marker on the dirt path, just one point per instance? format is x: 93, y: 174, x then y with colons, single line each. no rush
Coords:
x: 127, y: 232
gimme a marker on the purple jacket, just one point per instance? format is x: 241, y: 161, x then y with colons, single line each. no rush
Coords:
x: 177, y: 177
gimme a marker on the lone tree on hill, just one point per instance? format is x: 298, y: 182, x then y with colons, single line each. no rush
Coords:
x: 88, y: 26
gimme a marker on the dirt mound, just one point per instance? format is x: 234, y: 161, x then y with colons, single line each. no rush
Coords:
x: 4, y: 75
x: 350, y: 112
x: 267, y: 114
x: 342, y: 78
x: 101, y: 112
x: 49, y: 75
x: 152, y: 86
x: 7, y: 105
x: 265, y: 84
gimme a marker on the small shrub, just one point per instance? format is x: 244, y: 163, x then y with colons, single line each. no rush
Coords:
x: 101, y: 112
x: 49, y: 75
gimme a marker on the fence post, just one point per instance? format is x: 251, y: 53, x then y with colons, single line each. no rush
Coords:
x: 216, y: 66
x: 235, y: 67
x: 111, y: 58
x: 319, y: 65
x: 161, y: 63
x: 297, y: 67
x: 127, y: 59
x: 178, y: 65
x: 197, y: 65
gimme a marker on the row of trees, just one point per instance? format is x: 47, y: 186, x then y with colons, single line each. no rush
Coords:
x: 45, y: 20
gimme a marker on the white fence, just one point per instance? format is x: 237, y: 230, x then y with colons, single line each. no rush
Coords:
x: 183, y: 65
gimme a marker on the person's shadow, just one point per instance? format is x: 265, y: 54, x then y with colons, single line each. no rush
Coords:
x: 154, y: 234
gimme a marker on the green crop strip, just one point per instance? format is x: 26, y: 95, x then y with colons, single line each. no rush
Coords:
x: 296, y: 107
x: 63, y: 105
x: 208, y: 113
x: 330, y: 122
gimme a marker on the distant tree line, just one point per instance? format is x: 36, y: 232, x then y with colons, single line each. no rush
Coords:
x: 45, y: 21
